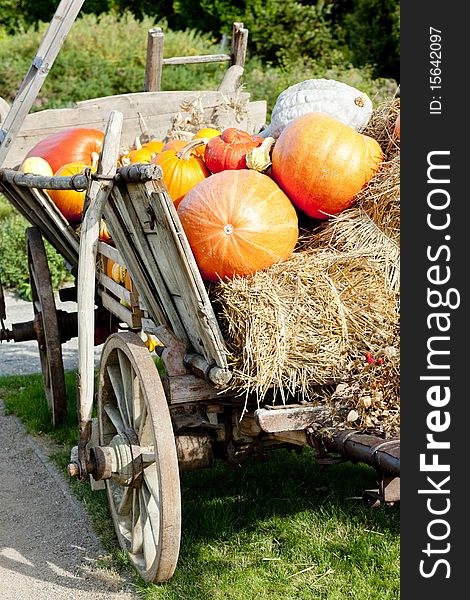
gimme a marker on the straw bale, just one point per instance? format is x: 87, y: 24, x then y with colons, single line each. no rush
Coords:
x: 304, y: 322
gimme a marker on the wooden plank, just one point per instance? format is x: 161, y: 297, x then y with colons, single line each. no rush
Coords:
x: 115, y: 288
x: 239, y: 44
x: 189, y: 388
x: 193, y: 60
x: 125, y: 315
x: 290, y: 419
x: 110, y: 252
x: 231, y: 81
x: 157, y: 109
x: 171, y: 245
x: 96, y: 196
x: 133, y: 262
x: 127, y: 208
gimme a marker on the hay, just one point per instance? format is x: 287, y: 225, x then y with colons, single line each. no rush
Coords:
x: 305, y: 322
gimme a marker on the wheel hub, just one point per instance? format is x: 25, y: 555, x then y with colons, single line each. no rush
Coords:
x: 122, y: 459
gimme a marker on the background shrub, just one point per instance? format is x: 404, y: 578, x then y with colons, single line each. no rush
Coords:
x: 104, y: 55
x: 14, y: 257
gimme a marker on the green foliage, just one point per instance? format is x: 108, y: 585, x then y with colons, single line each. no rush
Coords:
x: 14, y: 258
x: 6, y: 209
x: 30, y: 12
x: 372, y: 33
x: 102, y: 56
x: 278, y: 29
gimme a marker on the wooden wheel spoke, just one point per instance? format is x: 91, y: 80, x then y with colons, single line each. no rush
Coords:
x: 114, y: 374
x: 146, y: 432
x: 127, y: 379
x: 143, y: 420
x: 138, y: 406
x: 125, y: 504
x: 114, y: 416
x: 152, y: 484
x: 137, y: 528
x: 148, y: 516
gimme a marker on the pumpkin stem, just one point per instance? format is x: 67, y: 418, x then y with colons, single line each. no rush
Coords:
x: 185, y: 152
x: 259, y: 159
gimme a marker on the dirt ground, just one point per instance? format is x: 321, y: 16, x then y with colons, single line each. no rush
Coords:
x: 48, y: 549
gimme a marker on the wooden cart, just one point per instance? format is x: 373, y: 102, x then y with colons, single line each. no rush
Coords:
x: 155, y: 417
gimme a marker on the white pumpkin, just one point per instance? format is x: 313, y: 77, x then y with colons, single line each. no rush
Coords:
x: 337, y: 99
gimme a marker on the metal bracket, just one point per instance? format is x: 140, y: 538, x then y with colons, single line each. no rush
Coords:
x: 387, y: 492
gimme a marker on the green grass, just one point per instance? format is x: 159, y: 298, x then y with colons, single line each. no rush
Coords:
x: 280, y: 528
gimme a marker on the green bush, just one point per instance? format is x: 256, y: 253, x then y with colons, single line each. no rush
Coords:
x: 14, y: 257
x: 103, y: 56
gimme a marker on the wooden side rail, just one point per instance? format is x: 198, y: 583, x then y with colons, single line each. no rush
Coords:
x: 155, y: 60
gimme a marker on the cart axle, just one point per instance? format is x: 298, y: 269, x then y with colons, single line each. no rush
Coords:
x: 33, y: 330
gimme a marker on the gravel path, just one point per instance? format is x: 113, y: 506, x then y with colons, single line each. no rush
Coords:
x: 22, y: 358
x: 48, y: 549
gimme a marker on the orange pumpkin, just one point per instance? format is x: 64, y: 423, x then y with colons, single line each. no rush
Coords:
x: 174, y: 145
x: 154, y: 145
x: 70, y: 202
x: 238, y: 222
x: 181, y: 169
x: 321, y: 164
x: 128, y: 281
x: 142, y: 155
x: 115, y: 271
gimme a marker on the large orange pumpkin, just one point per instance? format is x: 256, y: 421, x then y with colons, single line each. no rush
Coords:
x: 77, y: 144
x: 238, y: 222
x: 182, y: 169
x: 70, y: 202
x: 321, y: 164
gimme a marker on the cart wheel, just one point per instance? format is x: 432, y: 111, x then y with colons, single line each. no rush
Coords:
x: 46, y: 326
x: 144, y: 488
